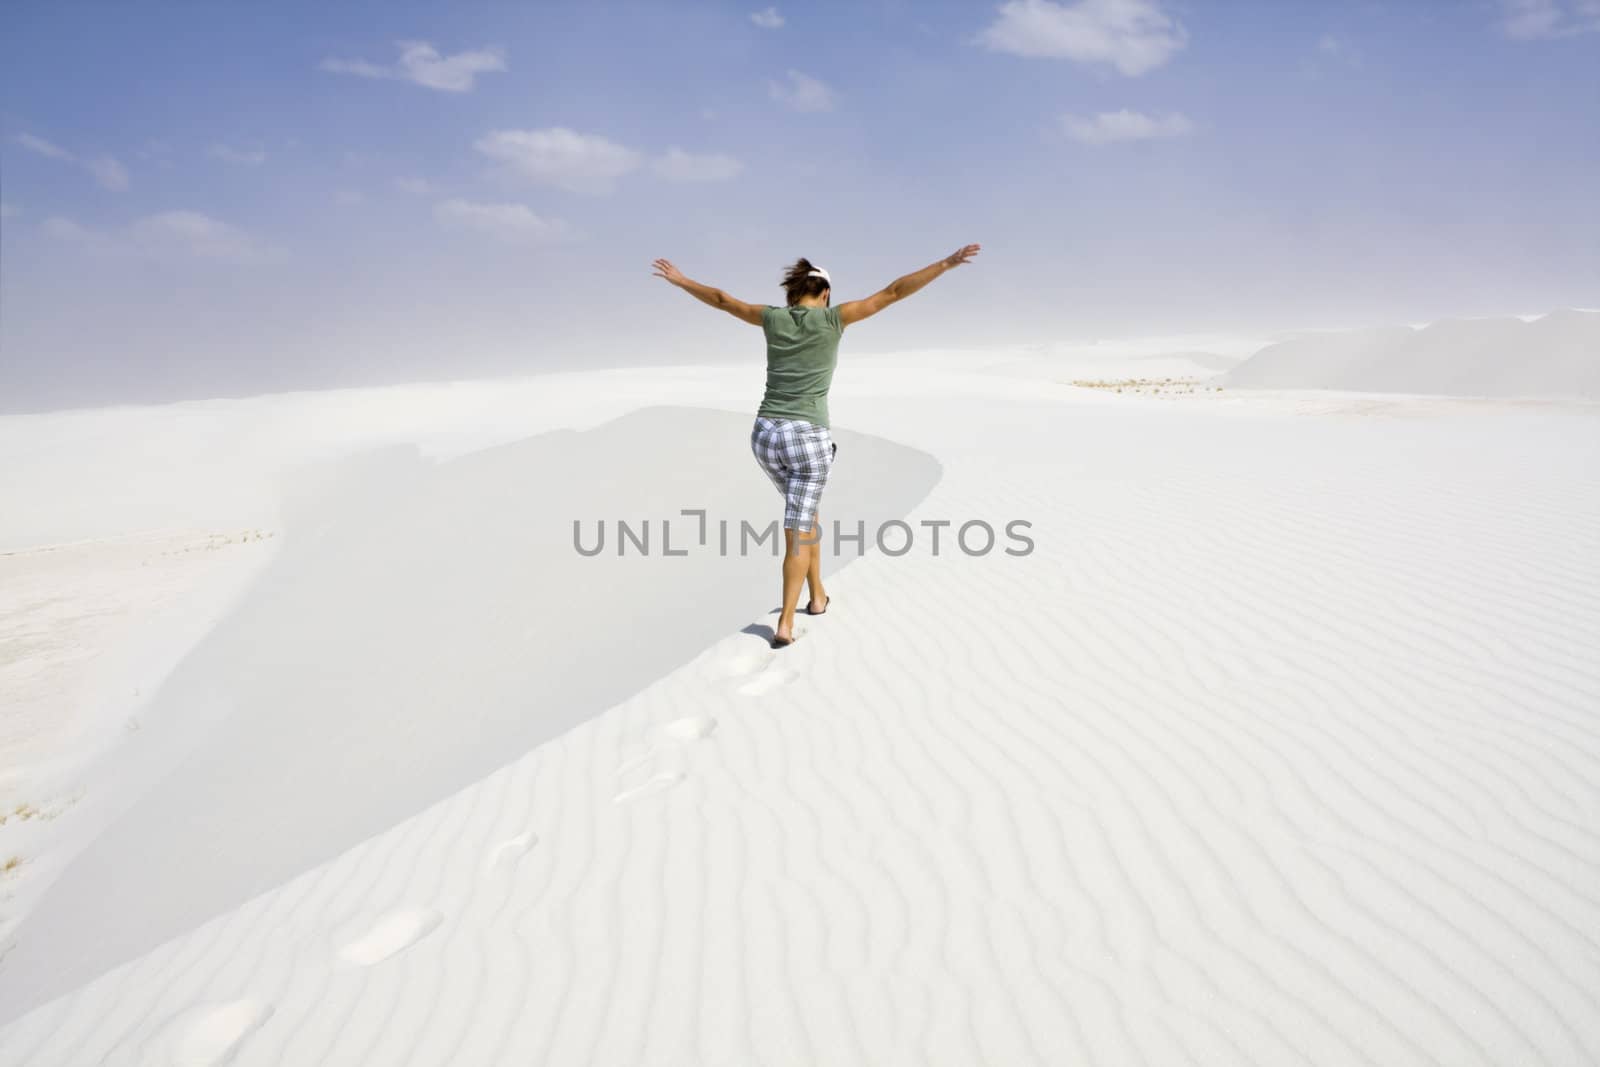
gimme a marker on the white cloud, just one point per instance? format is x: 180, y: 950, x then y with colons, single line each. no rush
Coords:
x: 680, y: 166
x: 44, y: 148
x: 510, y: 223
x: 196, y: 234
x: 109, y: 173
x: 349, y: 197
x: 803, y: 93
x: 105, y: 169
x: 9, y: 211
x: 584, y: 163
x: 768, y: 19
x: 415, y: 186
x: 1134, y: 36
x: 67, y: 230
x: 1331, y: 50
x: 359, y: 67
x: 167, y: 235
x: 421, y: 64
x: 1125, y: 125
x: 1529, y: 20
x: 244, y: 157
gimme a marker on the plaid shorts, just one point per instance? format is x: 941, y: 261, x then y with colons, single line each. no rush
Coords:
x: 797, y: 457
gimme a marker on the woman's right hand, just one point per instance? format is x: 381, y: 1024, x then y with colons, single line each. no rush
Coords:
x: 955, y: 259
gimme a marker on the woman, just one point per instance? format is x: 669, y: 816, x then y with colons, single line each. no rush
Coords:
x: 790, y: 438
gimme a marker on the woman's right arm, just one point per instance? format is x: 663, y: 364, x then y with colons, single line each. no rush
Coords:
x: 902, y: 287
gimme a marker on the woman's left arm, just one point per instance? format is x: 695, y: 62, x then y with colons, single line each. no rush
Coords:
x: 750, y: 313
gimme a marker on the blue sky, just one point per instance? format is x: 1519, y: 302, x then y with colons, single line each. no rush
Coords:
x: 227, y: 199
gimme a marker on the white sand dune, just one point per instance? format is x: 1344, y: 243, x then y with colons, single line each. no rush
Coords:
x: 1554, y: 355
x: 383, y: 662
x: 1282, y: 746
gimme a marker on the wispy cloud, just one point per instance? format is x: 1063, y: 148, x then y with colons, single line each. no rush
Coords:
x: 508, y: 223
x: 9, y: 211
x: 680, y: 166
x: 108, y: 172
x: 1530, y: 20
x: 44, y: 148
x: 1111, y: 126
x: 1134, y: 36
x: 349, y: 197
x: 105, y: 169
x: 1331, y: 51
x: 767, y: 19
x: 577, y: 162
x: 67, y: 230
x: 167, y: 235
x: 802, y: 93
x: 421, y: 64
x: 414, y: 186
x: 197, y: 234
x: 243, y: 157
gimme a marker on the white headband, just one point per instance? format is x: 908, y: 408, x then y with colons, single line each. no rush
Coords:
x: 820, y: 273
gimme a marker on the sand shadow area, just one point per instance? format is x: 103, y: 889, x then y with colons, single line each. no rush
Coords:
x: 424, y: 624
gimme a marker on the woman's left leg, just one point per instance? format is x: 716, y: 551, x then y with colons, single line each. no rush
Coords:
x: 819, y: 595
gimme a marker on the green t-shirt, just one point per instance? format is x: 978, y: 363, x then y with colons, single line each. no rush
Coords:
x: 802, y: 349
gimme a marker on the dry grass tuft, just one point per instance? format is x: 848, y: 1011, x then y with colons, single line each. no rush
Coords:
x: 212, y: 542
x: 22, y: 813
x: 1152, y: 386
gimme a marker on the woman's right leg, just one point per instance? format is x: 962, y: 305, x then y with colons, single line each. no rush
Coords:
x: 798, y: 460
x: 797, y: 553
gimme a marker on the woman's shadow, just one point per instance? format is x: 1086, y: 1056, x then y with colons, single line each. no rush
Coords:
x: 761, y: 629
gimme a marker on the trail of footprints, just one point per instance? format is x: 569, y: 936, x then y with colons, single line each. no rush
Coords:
x: 210, y: 1034
x: 756, y: 673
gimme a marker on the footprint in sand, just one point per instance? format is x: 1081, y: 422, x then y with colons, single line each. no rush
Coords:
x: 633, y: 763
x: 682, y: 731
x: 391, y: 934
x: 740, y: 665
x: 206, y: 1035
x: 689, y: 728
x: 658, y: 783
x: 767, y: 681
x: 505, y: 856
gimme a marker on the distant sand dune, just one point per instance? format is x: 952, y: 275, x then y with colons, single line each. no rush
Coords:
x: 1556, y: 355
x: 1203, y: 360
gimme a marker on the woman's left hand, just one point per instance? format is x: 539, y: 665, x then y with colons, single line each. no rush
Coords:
x: 672, y: 274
